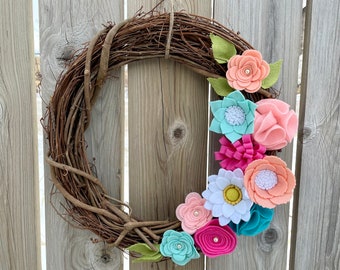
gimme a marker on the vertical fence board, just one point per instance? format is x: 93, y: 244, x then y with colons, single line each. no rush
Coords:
x: 65, y: 26
x: 318, y: 237
x: 273, y: 28
x: 19, y: 231
x: 168, y: 106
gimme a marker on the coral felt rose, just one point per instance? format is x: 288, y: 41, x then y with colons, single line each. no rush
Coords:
x: 269, y: 182
x: 275, y: 125
x: 179, y: 246
x: 259, y: 221
x: 227, y: 197
x: 240, y: 153
x: 192, y: 213
x: 215, y: 240
x: 246, y: 71
x: 233, y: 116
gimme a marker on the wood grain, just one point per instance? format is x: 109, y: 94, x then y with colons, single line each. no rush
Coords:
x: 19, y: 229
x: 65, y: 26
x: 168, y: 106
x: 273, y: 28
x: 318, y: 237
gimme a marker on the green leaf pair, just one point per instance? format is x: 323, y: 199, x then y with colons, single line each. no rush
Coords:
x: 223, y: 50
x: 146, y: 253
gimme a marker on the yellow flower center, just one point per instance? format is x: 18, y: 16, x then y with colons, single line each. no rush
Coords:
x: 232, y: 194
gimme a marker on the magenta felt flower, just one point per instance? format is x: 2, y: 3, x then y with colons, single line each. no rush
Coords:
x: 192, y: 213
x: 215, y: 240
x: 240, y: 153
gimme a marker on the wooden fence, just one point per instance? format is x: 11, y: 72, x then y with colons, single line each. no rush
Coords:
x: 274, y: 27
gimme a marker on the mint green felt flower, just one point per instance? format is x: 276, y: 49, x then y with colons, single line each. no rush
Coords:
x: 233, y: 116
x: 179, y: 246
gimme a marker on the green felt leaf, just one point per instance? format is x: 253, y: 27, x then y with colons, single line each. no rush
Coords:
x: 273, y: 75
x: 155, y: 258
x: 146, y: 253
x: 144, y: 249
x: 221, y: 86
x: 222, y: 50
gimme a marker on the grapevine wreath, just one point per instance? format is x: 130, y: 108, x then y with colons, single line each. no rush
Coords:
x: 253, y: 124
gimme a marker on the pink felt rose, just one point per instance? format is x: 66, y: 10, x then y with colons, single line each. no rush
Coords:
x: 215, y: 240
x: 246, y: 71
x: 192, y: 213
x: 275, y: 125
x: 240, y: 153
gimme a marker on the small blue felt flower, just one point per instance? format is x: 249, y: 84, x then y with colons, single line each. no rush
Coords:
x: 233, y: 116
x: 259, y: 221
x: 179, y: 246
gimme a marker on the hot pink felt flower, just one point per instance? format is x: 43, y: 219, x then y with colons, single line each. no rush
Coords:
x: 215, y: 240
x: 275, y: 125
x: 192, y: 213
x: 269, y: 182
x: 240, y: 153
x: 246, y: 71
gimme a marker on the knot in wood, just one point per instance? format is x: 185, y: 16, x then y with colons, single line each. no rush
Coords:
x: 67, y: 54
x: 270, y: 236
x: 177, y: 132
x: 307, y: 131
x: 267, y: 239
x: 105, y: 258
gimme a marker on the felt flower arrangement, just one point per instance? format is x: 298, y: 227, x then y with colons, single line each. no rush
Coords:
x: 240, y: 198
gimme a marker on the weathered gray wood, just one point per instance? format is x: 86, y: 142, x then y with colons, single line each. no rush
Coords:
x: 65, y: 27
x: 167, y: 133
x: 318, y: 237
x: 19, y: 226
x: 273, y: 28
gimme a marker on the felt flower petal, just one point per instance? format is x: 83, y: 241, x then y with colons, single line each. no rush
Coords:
x: 217, y: 210
x: 215, y: 126
x: 215, y: 105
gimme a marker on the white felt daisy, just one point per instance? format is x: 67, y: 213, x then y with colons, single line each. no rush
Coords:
x: 227, y: 197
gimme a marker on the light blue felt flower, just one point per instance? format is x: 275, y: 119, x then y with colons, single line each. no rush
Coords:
x: 259, y: 221
x: 233, y: 116
x: 179, y: 246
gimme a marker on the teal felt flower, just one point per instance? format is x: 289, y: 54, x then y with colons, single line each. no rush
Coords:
x: 179, y: 246
x: 233, y: 116
x: 259, y: 221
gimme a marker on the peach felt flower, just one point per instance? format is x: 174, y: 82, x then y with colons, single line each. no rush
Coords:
x: 246, y: 71
x: 269, y: 182
x: 275, y: 125
x: 192, y: 213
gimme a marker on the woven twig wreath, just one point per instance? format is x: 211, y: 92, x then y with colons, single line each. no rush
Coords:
x: 186, y: 39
